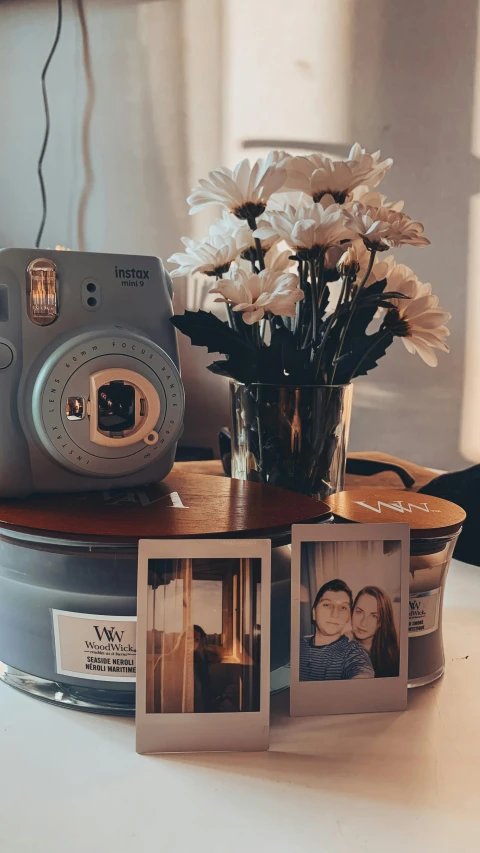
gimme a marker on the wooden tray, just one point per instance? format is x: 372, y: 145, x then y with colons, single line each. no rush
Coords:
x: 184, y: 505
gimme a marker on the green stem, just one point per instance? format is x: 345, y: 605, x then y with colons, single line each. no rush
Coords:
x: 252, y: 223
x: 352, y: 311
x: 300, y: 306
x: 320, y: 278
x: 330, y: 323
x: 259, y: 430
x: 258, y: 247
x: 371, y: 262
x: 314, y: 298
x: 257, y: 341
x: 232, y: 320
x: 298, y: 325
x: 263, y: 328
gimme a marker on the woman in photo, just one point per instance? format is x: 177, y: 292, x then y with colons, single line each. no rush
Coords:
x: 374, y: 629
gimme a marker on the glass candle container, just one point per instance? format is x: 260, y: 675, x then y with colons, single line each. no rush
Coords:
x: 68, y: 578
x: 435, y: 525
x: 429, y: 562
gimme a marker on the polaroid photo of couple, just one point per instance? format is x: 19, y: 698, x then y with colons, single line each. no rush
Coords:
x: 349, y: 619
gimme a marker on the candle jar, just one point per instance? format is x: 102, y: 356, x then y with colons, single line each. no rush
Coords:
x: 429, y: 562
x: 68, y: 578
x: 435, y: 525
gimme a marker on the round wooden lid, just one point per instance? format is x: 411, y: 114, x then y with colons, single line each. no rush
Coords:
x: 183, y: 505
x: 427, y: 516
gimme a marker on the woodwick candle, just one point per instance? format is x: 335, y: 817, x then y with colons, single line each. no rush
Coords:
x: 435, y: 525
x: 68, y: 578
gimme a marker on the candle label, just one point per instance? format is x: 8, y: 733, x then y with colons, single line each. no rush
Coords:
x: 424, y: 613
x: 101, y: 648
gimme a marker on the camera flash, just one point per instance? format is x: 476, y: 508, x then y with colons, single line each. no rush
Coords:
x: 42, y: 292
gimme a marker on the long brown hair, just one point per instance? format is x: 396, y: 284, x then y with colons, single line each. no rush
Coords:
x: 385, y: 652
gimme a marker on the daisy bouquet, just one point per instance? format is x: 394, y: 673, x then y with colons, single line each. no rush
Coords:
x: 299, y: 260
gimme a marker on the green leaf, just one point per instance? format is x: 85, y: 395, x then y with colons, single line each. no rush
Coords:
x: 241, y: 370
x: 364, y: 352
x: 375, y: 354
x: 373, y: 289
x: 206, y: 330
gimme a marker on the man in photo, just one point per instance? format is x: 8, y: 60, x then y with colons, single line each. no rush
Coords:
x: 328, y: 655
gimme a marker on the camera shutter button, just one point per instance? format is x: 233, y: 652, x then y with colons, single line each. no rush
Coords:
x: 6, y: 356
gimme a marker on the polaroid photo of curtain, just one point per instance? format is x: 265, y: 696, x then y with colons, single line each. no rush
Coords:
x: 204, y: 635
x: 170, y: 642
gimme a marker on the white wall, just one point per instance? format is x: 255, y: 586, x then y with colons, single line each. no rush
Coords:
x: 155, y: 120
x: 183, y: 85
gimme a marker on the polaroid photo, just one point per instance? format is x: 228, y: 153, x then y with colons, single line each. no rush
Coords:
x: 349, y: 620
x: 203, y: 645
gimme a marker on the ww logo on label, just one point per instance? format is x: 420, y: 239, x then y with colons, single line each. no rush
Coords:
x: 110, y: 633
x: 398, y: 506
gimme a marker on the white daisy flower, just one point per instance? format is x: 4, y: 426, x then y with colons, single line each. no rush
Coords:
x: 318, y: 175
x: 372, y: 198
x: 230, y: 226
x: 357, y: 254
x: 227, y: 225
x: 307, y: 229
x: 403, y: 230
x: 277, y: 260
x: 401, y: 279
x: 245, y: 190
x: 265, y: 292
x: 383, y: 227
x: 212, y: 256
x: 332, y: 257
x: 419, y: 322
x: 349, y: 263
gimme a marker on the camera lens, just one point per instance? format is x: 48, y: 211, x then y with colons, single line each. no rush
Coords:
x: 116, y: 407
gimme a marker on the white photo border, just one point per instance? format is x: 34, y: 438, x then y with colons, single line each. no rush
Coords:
x: 209, y: 732
x: 308, y: 698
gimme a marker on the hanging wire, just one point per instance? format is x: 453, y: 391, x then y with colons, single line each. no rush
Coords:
x: 86, y: 127
x: 47, y: 123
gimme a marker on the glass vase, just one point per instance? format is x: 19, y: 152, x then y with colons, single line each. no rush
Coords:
x: 290, y: 436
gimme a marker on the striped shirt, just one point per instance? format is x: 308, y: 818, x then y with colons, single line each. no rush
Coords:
x: 334, y: 662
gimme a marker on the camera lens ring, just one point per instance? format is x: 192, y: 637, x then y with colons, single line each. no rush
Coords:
x: 75, y: 358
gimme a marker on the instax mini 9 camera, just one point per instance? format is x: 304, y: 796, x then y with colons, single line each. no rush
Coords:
x: 90, y: 391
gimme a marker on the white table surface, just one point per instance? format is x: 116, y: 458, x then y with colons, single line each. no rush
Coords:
x: 379, y: 783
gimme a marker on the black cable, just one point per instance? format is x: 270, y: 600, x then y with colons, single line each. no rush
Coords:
x: 47, y: 124
x: 89, y: 179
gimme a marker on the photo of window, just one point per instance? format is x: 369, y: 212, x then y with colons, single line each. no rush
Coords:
x: 349, y: 610
x: 203, y: 635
